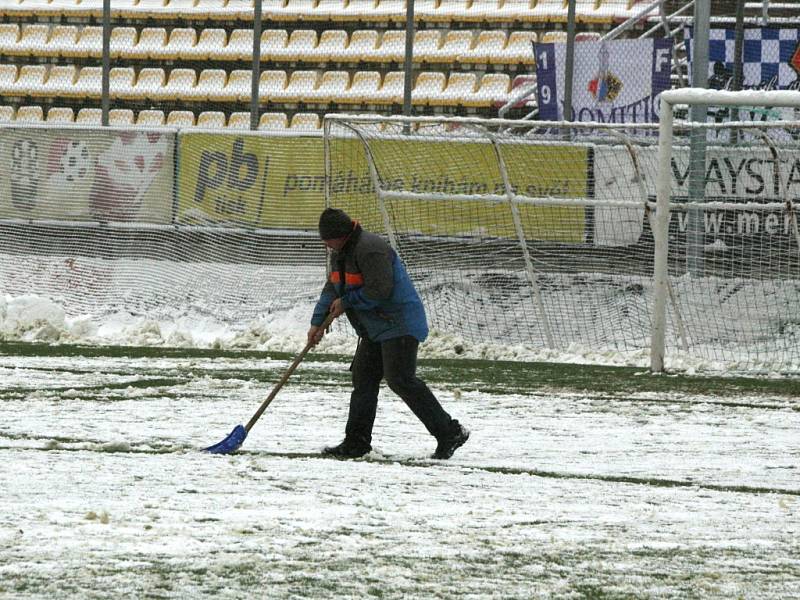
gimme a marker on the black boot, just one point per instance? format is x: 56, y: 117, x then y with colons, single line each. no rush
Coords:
x: 454, y: 440
x: 349, y: 448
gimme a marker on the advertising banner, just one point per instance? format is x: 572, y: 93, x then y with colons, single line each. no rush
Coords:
x: 279, y: 182
x: 86, y: 175
x: 613, y: 82
x: 733, y: 175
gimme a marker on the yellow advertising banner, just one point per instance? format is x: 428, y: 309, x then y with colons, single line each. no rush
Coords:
x: 279, y: 182
x: 86, y: 175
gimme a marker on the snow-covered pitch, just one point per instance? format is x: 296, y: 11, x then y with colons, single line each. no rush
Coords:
x: 104, y: 492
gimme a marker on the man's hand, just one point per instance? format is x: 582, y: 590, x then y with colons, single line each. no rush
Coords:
x: 315, y: 334
x: 336, y: 308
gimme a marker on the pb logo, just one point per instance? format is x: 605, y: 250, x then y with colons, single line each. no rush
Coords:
x: 232, y: 186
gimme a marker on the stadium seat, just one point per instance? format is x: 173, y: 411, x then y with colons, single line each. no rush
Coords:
x: 185, y: 8
x: 301, y: 42
x: 32, y: 40
x: 62, y: 38
x: 550, y: 37
x: 365, y: 85
x: 332, y: 10
x: 122, y: 43
x: 6, y: 113
x: 8, y: 77
x: 152, y: 43
x: 88, y: 44
x: 143, y: 9
x: 30, y: 81
x: 305, y: 122
x: 211, y: 119
x: 300, y: 82
x: 60, y: 80
x: 460, y: 86
x: 493, y: 88
x: 219, y: 9
x: 424, y: 10
x: 332, y: 86
x: 356, y: 11
x: 89, y: 116
x: 454, y: 45
x: 271, y: 85
x: 180, y: 84
x: 447, y: 11
x: 273, y: 120
x: 427, y: 86
x: 240, y: 45
x: 210, y: 86
x: 60, y: 114
x: 273, y: 45
x: 392, y: 48
x: 362, y: 44
x: 9, y: 37
x: 85, y: 9
x: 489, y: 44
x: 181, y: 118
x: 121, y: 82
x: 238, y: 87
x: 239, y: 120
x: 546, y: 11
x: 391, y: 90
x: 296, y: 10
x: 150, y: 118
x: 120, y: 117
x: 331, y: 47
x: 518, y: 50
x: 181, y: 44
x: 210, y: 42
x: 150, y: 84
x: 426, y: 45
x: 31, y: 114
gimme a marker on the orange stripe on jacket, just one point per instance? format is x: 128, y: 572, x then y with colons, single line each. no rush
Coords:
x: 349, y: 278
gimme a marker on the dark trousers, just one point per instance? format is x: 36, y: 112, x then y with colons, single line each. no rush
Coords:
x: 396, y: 361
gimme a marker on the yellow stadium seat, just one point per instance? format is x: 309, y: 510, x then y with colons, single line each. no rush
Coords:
x: 151, y: 43
x: 8, y: 77
x: 273, y: 120
x: 239, y: 120
x: 32, y: 40
x: 392, y: 48
x: 424, y: 10
x: 331, y: 47
x: 305, y: 122
x: 180, y: 84
x: 427, y: 86
x: 297, y: 10
x: 121, y: 82
x: 89, y: 116
x: 332, y: 86
x: 300, y: 82
x: 6, y: 113
x: 9, y: 37
x: 331, y: 10
x: 88, y: 44
x: 546, y: 11
x: 554, y: 36
x: 126, y: 9
x: 120, y: 117
x: 62, y: 38
x: 31, y: 80
x: 224, y: 9
x: 88, y: 83
x: 210, y: 85
x: 181, y: 44
x: 447, y: 11
x: 31, y: 114
x: 365, y: 85
x: 60, y: 114
x: 60, y: 80
x: 518, y: 50
x: 123, y: 40
x: 273, y: 44
x: 146, y: 8
x: 488, y: 44
x: 384, y: 11
x: 150, y: 118
x: 185, y: 8
x: 460, y: 86
x: 150, y: 84
x: 426, y: 45
x: 181, y: 118
x: 363, y: 44
x: 239, y: 46
x: 210, y: 42
x: 238, y: 86
x: 271, y: 85
x: 492, y: 90
x: 391, y: 90
x: 356, y: 11
x: 455, y: 44
x: 211, y: 119
x: 301, y: 42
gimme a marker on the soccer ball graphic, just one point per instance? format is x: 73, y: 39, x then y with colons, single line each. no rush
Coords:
x: 76, y: 161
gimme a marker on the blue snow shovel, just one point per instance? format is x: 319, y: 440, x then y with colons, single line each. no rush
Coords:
x: 236, y: 437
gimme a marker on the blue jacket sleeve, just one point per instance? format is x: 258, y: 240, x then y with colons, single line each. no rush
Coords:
x: 323, y: 304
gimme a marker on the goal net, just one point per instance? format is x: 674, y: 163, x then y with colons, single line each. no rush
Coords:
x: 544, y: 233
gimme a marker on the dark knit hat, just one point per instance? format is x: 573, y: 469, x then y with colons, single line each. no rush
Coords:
x: 334, y: 223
